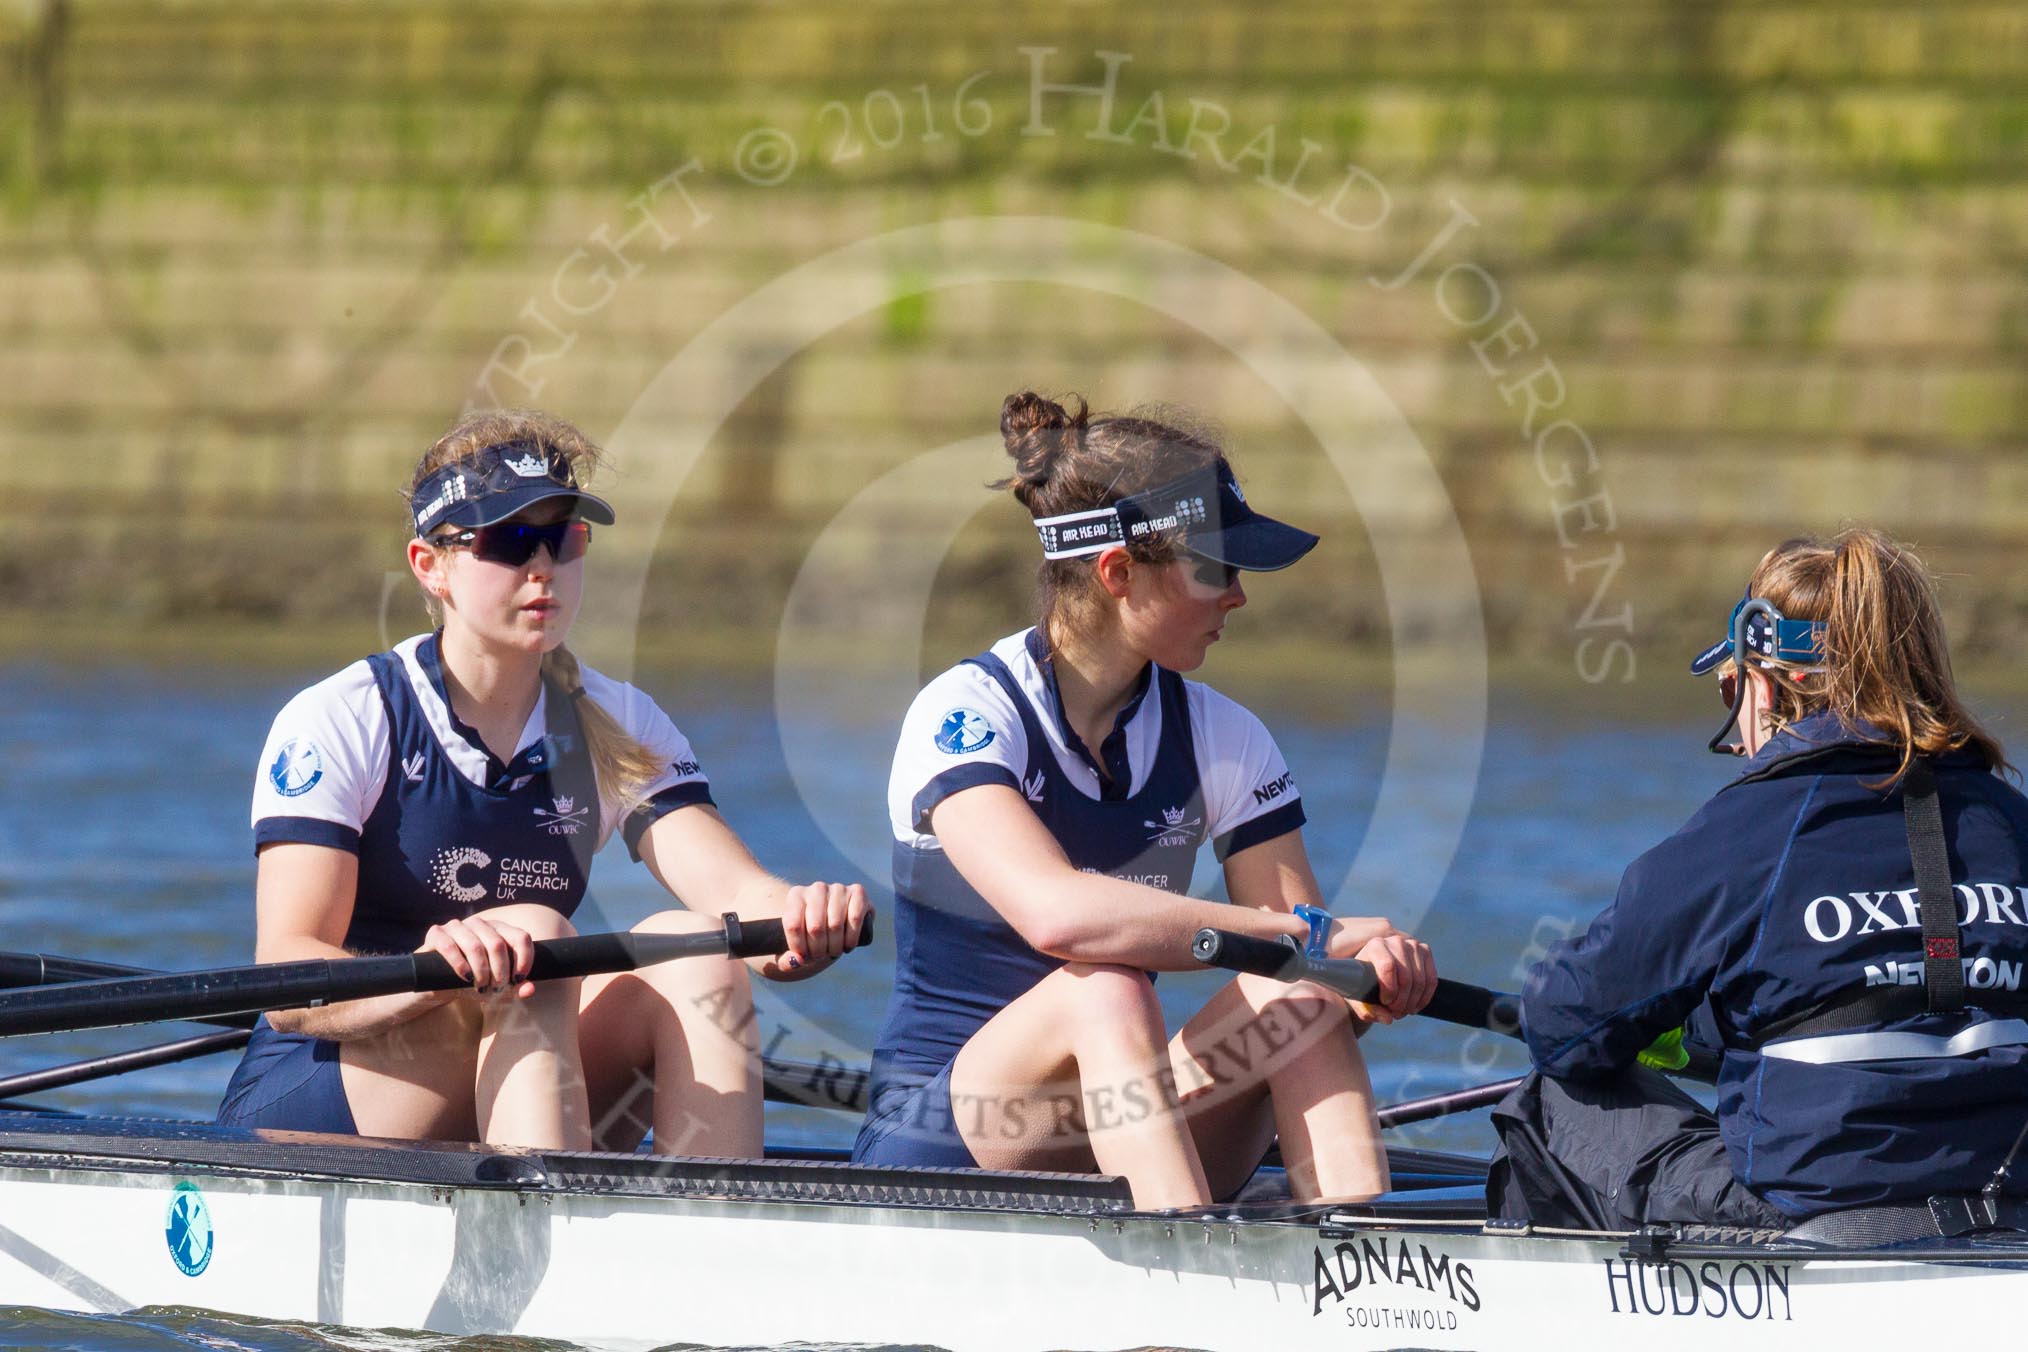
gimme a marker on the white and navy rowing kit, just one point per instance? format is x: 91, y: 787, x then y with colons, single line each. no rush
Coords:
x: 1182, y: 765
x: 374, y: 761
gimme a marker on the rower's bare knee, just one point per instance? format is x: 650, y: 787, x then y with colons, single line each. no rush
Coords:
x: 534, y: 919
x: 555, y: 1002
x: 698, y: 994
x: 1293, y: 1019
x: 1308, y: 998
x: 1111, y: 1002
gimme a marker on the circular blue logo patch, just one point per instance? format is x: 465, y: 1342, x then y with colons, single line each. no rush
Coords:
x: 189, y: 1229
x: 297, y: 768
x: 963, y: 731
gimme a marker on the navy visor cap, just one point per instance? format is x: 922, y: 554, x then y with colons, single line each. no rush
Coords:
x: 1206, y: 509
x: 495, y: 484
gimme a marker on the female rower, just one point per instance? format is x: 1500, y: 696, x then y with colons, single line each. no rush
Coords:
x: 1867, y: 1009
x: 448, y: 796
x: 1048, y: 800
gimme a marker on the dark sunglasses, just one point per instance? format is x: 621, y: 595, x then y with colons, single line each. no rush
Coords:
x: 1728, y: 686
x: 514, y: 543
x: 1211, y: 573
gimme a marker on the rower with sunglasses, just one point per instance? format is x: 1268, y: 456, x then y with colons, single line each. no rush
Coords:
x: 1048, y: 801
x: 1845, y: 925
x: 448, y: 796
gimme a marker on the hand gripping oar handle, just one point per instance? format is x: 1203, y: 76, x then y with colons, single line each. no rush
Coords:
x: 1454, y: 1001
x: 115, y: 1001
x: 1282, y: 959
x: 765, y: 938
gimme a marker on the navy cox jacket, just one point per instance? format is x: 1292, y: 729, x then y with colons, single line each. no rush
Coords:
x: 1791, y: 887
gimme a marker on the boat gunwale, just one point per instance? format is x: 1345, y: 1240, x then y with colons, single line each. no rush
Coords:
x: 59, y: 1145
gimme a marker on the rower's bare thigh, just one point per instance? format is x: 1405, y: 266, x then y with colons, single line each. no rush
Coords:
x: 1016, y: 1092
x: 688, y: 1022
x: 419, y: 1079
x: 1221, y: 1061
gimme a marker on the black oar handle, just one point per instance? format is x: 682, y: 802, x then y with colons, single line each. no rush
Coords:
x: 764, y: 938
x: 1243, y: 952
x: 1454, y: 1001
x: 115, y: 1001
x: 1283, y: 961
x: 593, y: 954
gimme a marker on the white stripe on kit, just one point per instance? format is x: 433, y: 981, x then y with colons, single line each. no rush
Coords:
x: 1839, y: 1048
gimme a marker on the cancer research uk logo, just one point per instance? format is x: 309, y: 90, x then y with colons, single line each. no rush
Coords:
x: 963, y: 732
x: 297, y: 768
x: 188, y: 1229
x: 446, y: 868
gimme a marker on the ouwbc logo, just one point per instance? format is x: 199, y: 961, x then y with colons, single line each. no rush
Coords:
x: 1175, y: 828
x: 567, y: 818
x: 963, y: 732
x: 188, y: 1229
x: 297, y: 768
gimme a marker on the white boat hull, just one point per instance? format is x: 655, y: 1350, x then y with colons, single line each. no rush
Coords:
x: 621, y: 1269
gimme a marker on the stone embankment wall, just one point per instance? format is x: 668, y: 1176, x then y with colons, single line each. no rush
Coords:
x: 1646, y: 286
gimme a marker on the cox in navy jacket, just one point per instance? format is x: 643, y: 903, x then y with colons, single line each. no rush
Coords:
x: 1791, y: 887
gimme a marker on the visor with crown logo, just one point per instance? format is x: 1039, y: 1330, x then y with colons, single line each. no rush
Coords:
x: 495, y: 484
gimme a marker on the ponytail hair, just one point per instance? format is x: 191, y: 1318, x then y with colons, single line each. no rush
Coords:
x: 622, y: 766
x: 1885, y: 662
x: 1076, y: 462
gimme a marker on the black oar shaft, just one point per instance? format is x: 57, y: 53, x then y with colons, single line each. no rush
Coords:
x: 1454, y: 1001
x: 1443, y: 1105
x: 47, y: 969
x: 113, y: 1002
x: 1475, y: 1007
x: 119, y: 1063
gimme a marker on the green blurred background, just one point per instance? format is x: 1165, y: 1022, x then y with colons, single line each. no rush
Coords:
x: 254, y: 257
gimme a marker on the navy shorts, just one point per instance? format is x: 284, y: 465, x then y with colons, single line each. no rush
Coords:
x: 910, y: 1123
x: 289, y: 1081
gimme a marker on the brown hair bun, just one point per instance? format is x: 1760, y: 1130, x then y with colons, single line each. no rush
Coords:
x: 1037, y: 433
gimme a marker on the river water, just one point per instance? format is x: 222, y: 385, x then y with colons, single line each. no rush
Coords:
x: 124, y: 836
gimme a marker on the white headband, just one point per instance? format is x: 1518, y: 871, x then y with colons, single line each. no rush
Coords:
x: 1076, y: 534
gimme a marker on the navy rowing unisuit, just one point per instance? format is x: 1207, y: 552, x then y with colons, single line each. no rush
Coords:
x: 1792, y: 887
x: 373, y: 761
x: 1183, y: 765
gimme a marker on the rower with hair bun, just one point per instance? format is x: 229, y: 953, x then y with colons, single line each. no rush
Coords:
x: 448, y: 797
x: 1846, y: 924
x: 1048, y: 800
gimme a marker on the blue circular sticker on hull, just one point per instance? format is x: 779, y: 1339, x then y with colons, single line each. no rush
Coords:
x: 189, y: 1230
